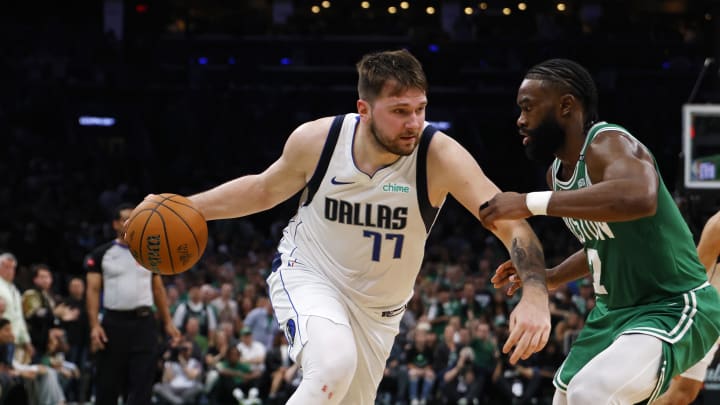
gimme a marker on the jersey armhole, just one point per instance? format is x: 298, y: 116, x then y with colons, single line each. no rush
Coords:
x: 427, y: 211
x: 324, y: 161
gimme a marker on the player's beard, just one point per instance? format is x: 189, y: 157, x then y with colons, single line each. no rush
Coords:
x: 545, y: 140
x: 384, y: 143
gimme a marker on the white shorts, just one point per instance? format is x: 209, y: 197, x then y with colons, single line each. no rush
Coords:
x: 698, y: 370
x: 298, y: 293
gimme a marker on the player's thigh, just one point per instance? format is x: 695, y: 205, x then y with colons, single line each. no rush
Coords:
x: 297, y: 295
x: 624, y: 373
x: 698, y: 370
x: 374, y: 336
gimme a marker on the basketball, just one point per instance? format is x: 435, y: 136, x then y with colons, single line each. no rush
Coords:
x: 166, y: 234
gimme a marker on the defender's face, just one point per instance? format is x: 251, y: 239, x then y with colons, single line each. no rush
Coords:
x: 538, y: 124
x: 396, y: 120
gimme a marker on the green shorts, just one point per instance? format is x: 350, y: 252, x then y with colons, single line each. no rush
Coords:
x: 688, y: 324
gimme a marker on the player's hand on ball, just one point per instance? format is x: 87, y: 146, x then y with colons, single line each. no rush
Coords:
x: 166, y: 233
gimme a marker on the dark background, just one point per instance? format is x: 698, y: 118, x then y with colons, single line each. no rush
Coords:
x: 205, y: 91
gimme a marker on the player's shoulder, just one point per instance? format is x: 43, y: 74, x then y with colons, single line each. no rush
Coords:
x: 311, y: 134
x: 442, y: 143
x: 714, y: 222
x: 611, y: 140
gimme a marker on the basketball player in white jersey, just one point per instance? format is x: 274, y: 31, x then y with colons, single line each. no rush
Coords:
x: 686, y: 387
x: 374, y: 183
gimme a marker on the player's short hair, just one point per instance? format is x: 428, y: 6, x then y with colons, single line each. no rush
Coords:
x: 571, y: 77
x: 400, y: 66
x: 3, y: 322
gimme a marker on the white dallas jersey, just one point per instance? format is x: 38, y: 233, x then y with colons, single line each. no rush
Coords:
x: 365, y: 234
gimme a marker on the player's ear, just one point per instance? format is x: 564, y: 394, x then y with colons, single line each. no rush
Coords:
x: 363, y: 108
x: 567, y: 103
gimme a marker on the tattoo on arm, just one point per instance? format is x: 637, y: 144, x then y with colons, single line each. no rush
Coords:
x: 529, y: 260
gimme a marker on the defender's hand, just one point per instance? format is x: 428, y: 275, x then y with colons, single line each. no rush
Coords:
x: 508, y: 205
x: 506, y: 275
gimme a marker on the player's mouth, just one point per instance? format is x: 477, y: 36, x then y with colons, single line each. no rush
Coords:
x: 526, y: 138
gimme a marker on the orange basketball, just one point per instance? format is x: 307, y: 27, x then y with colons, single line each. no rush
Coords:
x: 166, y: 234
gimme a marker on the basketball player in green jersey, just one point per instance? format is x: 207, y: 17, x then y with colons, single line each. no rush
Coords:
x: 656, y: 314
x: 686, y: 387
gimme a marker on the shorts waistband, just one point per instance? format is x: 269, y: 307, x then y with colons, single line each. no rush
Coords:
x: 393, y: 312
x: 139, y: 312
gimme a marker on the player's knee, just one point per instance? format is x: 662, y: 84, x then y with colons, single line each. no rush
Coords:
x: 339, y: 366
x: 682, y: 392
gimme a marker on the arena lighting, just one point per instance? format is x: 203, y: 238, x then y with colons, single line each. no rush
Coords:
x: 92, y: 121
x: 365, y: 4
x: 483, y: 6
x: 708, y: 16
x: 561, y: 7
x: 231, y: 60
x: 468, y: 10
x: 286, y: 61
x: 404, y: 5
x: 325, y: 4
x: 441, y: 125
x: 507, y: 11
x: 202, y: 60
x: 430, y: 10
x: 392, y: 9
x: 522, y: 6
x: 433, y: 48
x: 315, y: 9
x: 141, y: 8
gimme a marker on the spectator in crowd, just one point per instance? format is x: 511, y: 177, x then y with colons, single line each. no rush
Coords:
x: 234, y: 373
x: 55, y: 357
x: 261, y: 321
x: 277, y: 362
x: 12, y: 389
x: 24, y: 349
x: 194, y: 307
x: 253, y: 353
x: 216, y: 353
x: 192, y: 334
x: 460, y: 384
x: 225, y: 305
x: 471, y: 306
x: 421, y: 376
x: 39, y: 308
x: 78, y: 338
x: 181, y: 380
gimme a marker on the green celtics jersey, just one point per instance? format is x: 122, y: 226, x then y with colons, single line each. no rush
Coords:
x: 634, y: 262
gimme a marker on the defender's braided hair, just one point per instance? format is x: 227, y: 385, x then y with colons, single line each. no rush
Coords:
x: 573, y: 78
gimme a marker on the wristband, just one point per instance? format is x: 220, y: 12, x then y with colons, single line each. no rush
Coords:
x: 537, y: 202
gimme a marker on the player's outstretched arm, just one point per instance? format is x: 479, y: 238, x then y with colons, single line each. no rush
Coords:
x: 451, y: 169
x: 624, y: 187
x: 284, y: 178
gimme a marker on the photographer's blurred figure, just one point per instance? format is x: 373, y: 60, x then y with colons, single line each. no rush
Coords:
x: 462, y: 386
x: 181, y: 381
